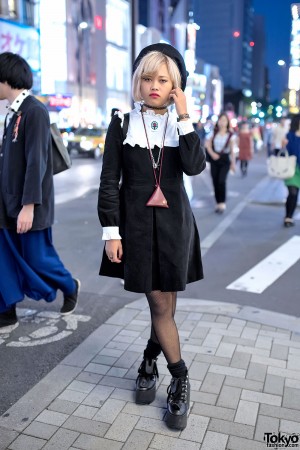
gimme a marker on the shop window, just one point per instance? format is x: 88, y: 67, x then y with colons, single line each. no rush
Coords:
x: 8, y: 9
x: 30, y: 8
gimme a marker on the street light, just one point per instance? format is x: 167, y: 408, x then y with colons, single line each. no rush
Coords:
x: 280, y: 62
x: 83, y: 25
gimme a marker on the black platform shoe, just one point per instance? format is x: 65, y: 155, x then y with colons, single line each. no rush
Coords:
x: 178, y: 402
x: 146, y: 381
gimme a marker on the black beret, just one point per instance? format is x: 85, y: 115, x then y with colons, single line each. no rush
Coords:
x: 170, y: 51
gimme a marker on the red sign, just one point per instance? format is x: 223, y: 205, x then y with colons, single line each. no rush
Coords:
x: 98, y: 21
x: 61, y: 102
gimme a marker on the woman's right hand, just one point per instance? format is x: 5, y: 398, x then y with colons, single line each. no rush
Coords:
x: 114, y: 250
x: 215, y: 156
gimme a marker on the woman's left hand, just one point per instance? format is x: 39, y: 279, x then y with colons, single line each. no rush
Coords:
x: 232, y: 167
x: 179, y: 98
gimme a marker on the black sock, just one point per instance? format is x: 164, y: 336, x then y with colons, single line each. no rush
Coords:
x: 178, y: 370
x: 152, y: 350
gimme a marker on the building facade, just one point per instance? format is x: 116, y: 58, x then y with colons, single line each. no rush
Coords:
x: 294, y: 68
x: 225, y: 39
x: 86, y: 58
x: 258, y: 65
x: 80, y: 59
x: 19, y: 33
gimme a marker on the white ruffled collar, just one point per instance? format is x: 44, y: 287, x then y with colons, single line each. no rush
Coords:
x: 136, y: 133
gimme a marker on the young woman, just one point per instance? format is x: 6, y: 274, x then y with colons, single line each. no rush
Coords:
x: 152, y: 241
x: 292, y: 143
x: 246, y: 147
x: 221, y: 151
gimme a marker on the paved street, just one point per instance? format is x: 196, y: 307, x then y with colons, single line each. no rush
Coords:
x: 242, y: 348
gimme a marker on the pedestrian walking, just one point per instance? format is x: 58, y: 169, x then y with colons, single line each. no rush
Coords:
x: 278, y: 136
x: 151, y: 237
x: 292, y: 143
x: 257, y: 137
x: 267, y: 137
x: 29, y: 263
x: 200, y: 130
x: 246, y: 147
x: 220, y: 147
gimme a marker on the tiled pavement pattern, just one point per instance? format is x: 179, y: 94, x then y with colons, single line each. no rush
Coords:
x: 244, y: 367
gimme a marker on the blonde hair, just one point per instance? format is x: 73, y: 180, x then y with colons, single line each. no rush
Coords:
x: 149, y: 65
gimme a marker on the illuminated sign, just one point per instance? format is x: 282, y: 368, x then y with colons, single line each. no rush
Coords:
x: 53, y: 45
x: 294, y: 78
x: 292, y: 98
x: 55, y: 102
x: 60, y: 102
x: 20, y: 39
x: 98, y: 21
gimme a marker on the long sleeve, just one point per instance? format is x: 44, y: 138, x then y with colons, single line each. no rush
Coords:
x: 108, y: 197
x: 191, y: 151
x: 37, y: 138
x: 293, y: 145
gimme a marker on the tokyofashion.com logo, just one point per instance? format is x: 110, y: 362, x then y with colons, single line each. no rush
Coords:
x: 281, y: 440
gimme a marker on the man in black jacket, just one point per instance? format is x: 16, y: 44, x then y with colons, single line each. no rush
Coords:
x: 29, y: 263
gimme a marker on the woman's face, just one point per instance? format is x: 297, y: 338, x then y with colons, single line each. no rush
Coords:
x: 156, y: 88
x: 223, y: 122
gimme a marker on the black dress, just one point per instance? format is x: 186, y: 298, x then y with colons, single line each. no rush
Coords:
x: 161, y: 247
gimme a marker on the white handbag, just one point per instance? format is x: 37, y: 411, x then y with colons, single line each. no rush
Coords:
x: 282, y: 165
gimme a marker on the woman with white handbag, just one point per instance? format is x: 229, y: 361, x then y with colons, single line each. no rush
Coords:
x: 292, y: 143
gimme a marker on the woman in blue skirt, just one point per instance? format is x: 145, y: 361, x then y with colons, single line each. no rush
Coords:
x: 29, y: 263
x: 293, y: 184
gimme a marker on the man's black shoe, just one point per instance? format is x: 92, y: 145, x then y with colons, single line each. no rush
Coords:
x: 71, y: 300
x: 8, y: 318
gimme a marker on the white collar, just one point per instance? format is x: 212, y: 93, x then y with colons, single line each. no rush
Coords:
x: 14, y: 107
x: 136, y: 133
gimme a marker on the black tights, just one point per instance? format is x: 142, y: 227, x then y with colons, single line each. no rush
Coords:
x: 163, y: 327
x: 291, y: 201
x: 244, y: 165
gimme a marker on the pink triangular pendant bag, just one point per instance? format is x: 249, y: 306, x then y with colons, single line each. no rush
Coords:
x: 158, y: 199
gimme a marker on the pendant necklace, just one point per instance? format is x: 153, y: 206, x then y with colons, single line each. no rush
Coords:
x: 155, y: 164
x: 157, y: 198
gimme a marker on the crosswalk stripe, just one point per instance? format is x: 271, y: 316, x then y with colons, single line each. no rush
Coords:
x: 266, y: 272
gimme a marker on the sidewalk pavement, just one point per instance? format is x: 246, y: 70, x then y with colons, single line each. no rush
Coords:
x: 244, y: 366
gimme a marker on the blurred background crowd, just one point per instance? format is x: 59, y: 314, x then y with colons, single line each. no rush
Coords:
x: 81, y: 54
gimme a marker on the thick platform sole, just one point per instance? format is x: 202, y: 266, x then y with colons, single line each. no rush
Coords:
x: 144, y: 397
x: 176, y: 422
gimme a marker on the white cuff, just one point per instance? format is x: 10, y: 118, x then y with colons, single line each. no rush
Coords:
x: 110, y: 233
x: 185, y: 127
